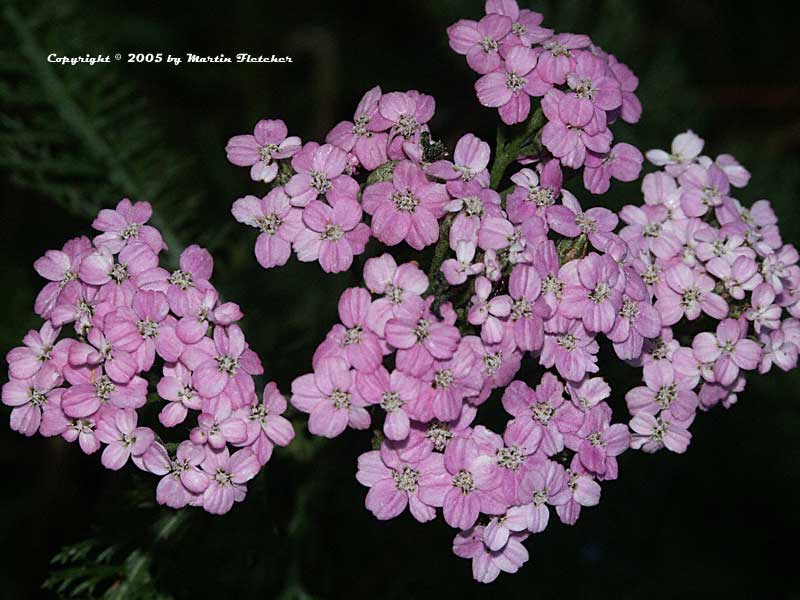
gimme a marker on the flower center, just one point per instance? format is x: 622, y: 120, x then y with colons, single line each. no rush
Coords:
x: 183, y: 279
x: 543, y: 412
x: 147, y: 328
x: 353, y: 335
x: 464, y: 481
x: 585, y: 89
x: 227, y: 364
x: 629, y: 310
x: 265, y: 152
x: 488, y: 45
x: 551, y: 284
x: 690, y: 296
x: 443, y: 379
x: 600, y: 293
x: 259, y: 412
x: 586, y: 223
x: 360, y: 125
x: 391, y: 401
x: 421, y: 332
x: 518, y: 28
x: 36, y: 398
x: 596, y: 440
x: 514, y: 82
x: 340, y: 399
x: 406, y: 480
x: 541, y: 196
x: 103, y: 388
x: 405, y: 201
x: 473, y: 206
x: 270, y: 223
x: 68, y: 276
x: 567, y: 341
x: 407, y: 126
x: 185, y: 394
x: 652, y: 230
x: 319, y: 181
x: 651, y: 274
x: 666, y: 395
x: 131, y: 231
x: 493, y: 362
x: 394, y: 293
x: 520, y: 309
x: 557, y: 49
x: 333, y: 232
x: 660, y: 349
x: 510, y: 457
x: 439, y: 435
x: 119, y: 272
x: 223, y: 477
x: 539, y: 497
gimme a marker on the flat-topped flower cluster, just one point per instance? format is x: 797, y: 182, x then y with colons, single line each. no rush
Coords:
x: 125, y: 320
x: 526, y: 282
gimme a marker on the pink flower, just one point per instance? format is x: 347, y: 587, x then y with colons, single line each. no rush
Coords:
x: 592, y: 292
x: 361, y: 347
x: 729, y: 350
x: 598, y: 442
x: 118, y: 279
x: 487, y: 564
x: 653, y: 433
x: 637, y: 320
x: 462, y: 484
x: 525, y: 26
x: 331, y: 399
x: 738, y: 276
x: 665, y: 389
x: 395, y: 393
x: 408, y: 113
x: 59, y: 267
x: 334, y: 235
x: 593, y: 90
x: 365, y: 136
x: 490, y: 314
x: 394, y: 483
x: 457, y: 270
x: 258, y: 151
x: 541, y: 417
x: 568, y: 143
x: 91, y: 389
x: 557, y: 58
x: 320, y: 171
x: 778, y: 348
x: 470, y: 160
x: 29, y: 396
x: 228, y: 474
x: 534, y: 192
x: 144, y: 330
x: 572, y: 350
x: 631, y: 109
x: 623, y: 162
x: 39, y: 348
x: 584, y: 489
x: 184, y: 482
x: 480, y: 41
x: 266, y: 427
x: 176, y: 388
x: 686, y: 147
x: 449, y: 383
x: 570, y: 220
x: 120, y: 365
x: 400, y: 288
x: 702, y: 189
x: 126, y: 223
x: 405, y: 208
x: 509, y: 86
x: 118, y: 429
x: 685, y: 292
x: 527, y: 311
x: 420, y: 340
x: 225, y: 365
x: 544, y: 482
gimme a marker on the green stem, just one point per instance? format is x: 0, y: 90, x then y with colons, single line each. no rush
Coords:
x: 440, y: 252
x: 71, y: 113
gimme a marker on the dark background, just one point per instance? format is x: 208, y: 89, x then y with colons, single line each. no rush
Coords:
x: 720, y: 521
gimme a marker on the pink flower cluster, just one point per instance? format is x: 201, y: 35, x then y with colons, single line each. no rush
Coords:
x: 316, y: 209
x: 127, y: 319
x: 583, y: 89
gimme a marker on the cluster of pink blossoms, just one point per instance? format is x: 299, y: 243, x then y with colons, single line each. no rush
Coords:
x: 583, y: 90
x: 122, y: 312
x: 690, y: 288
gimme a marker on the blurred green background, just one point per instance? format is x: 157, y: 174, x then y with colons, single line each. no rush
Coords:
x: 720, y: 521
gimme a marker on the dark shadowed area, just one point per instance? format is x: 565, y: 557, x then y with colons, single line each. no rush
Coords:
x: 710, y: 523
